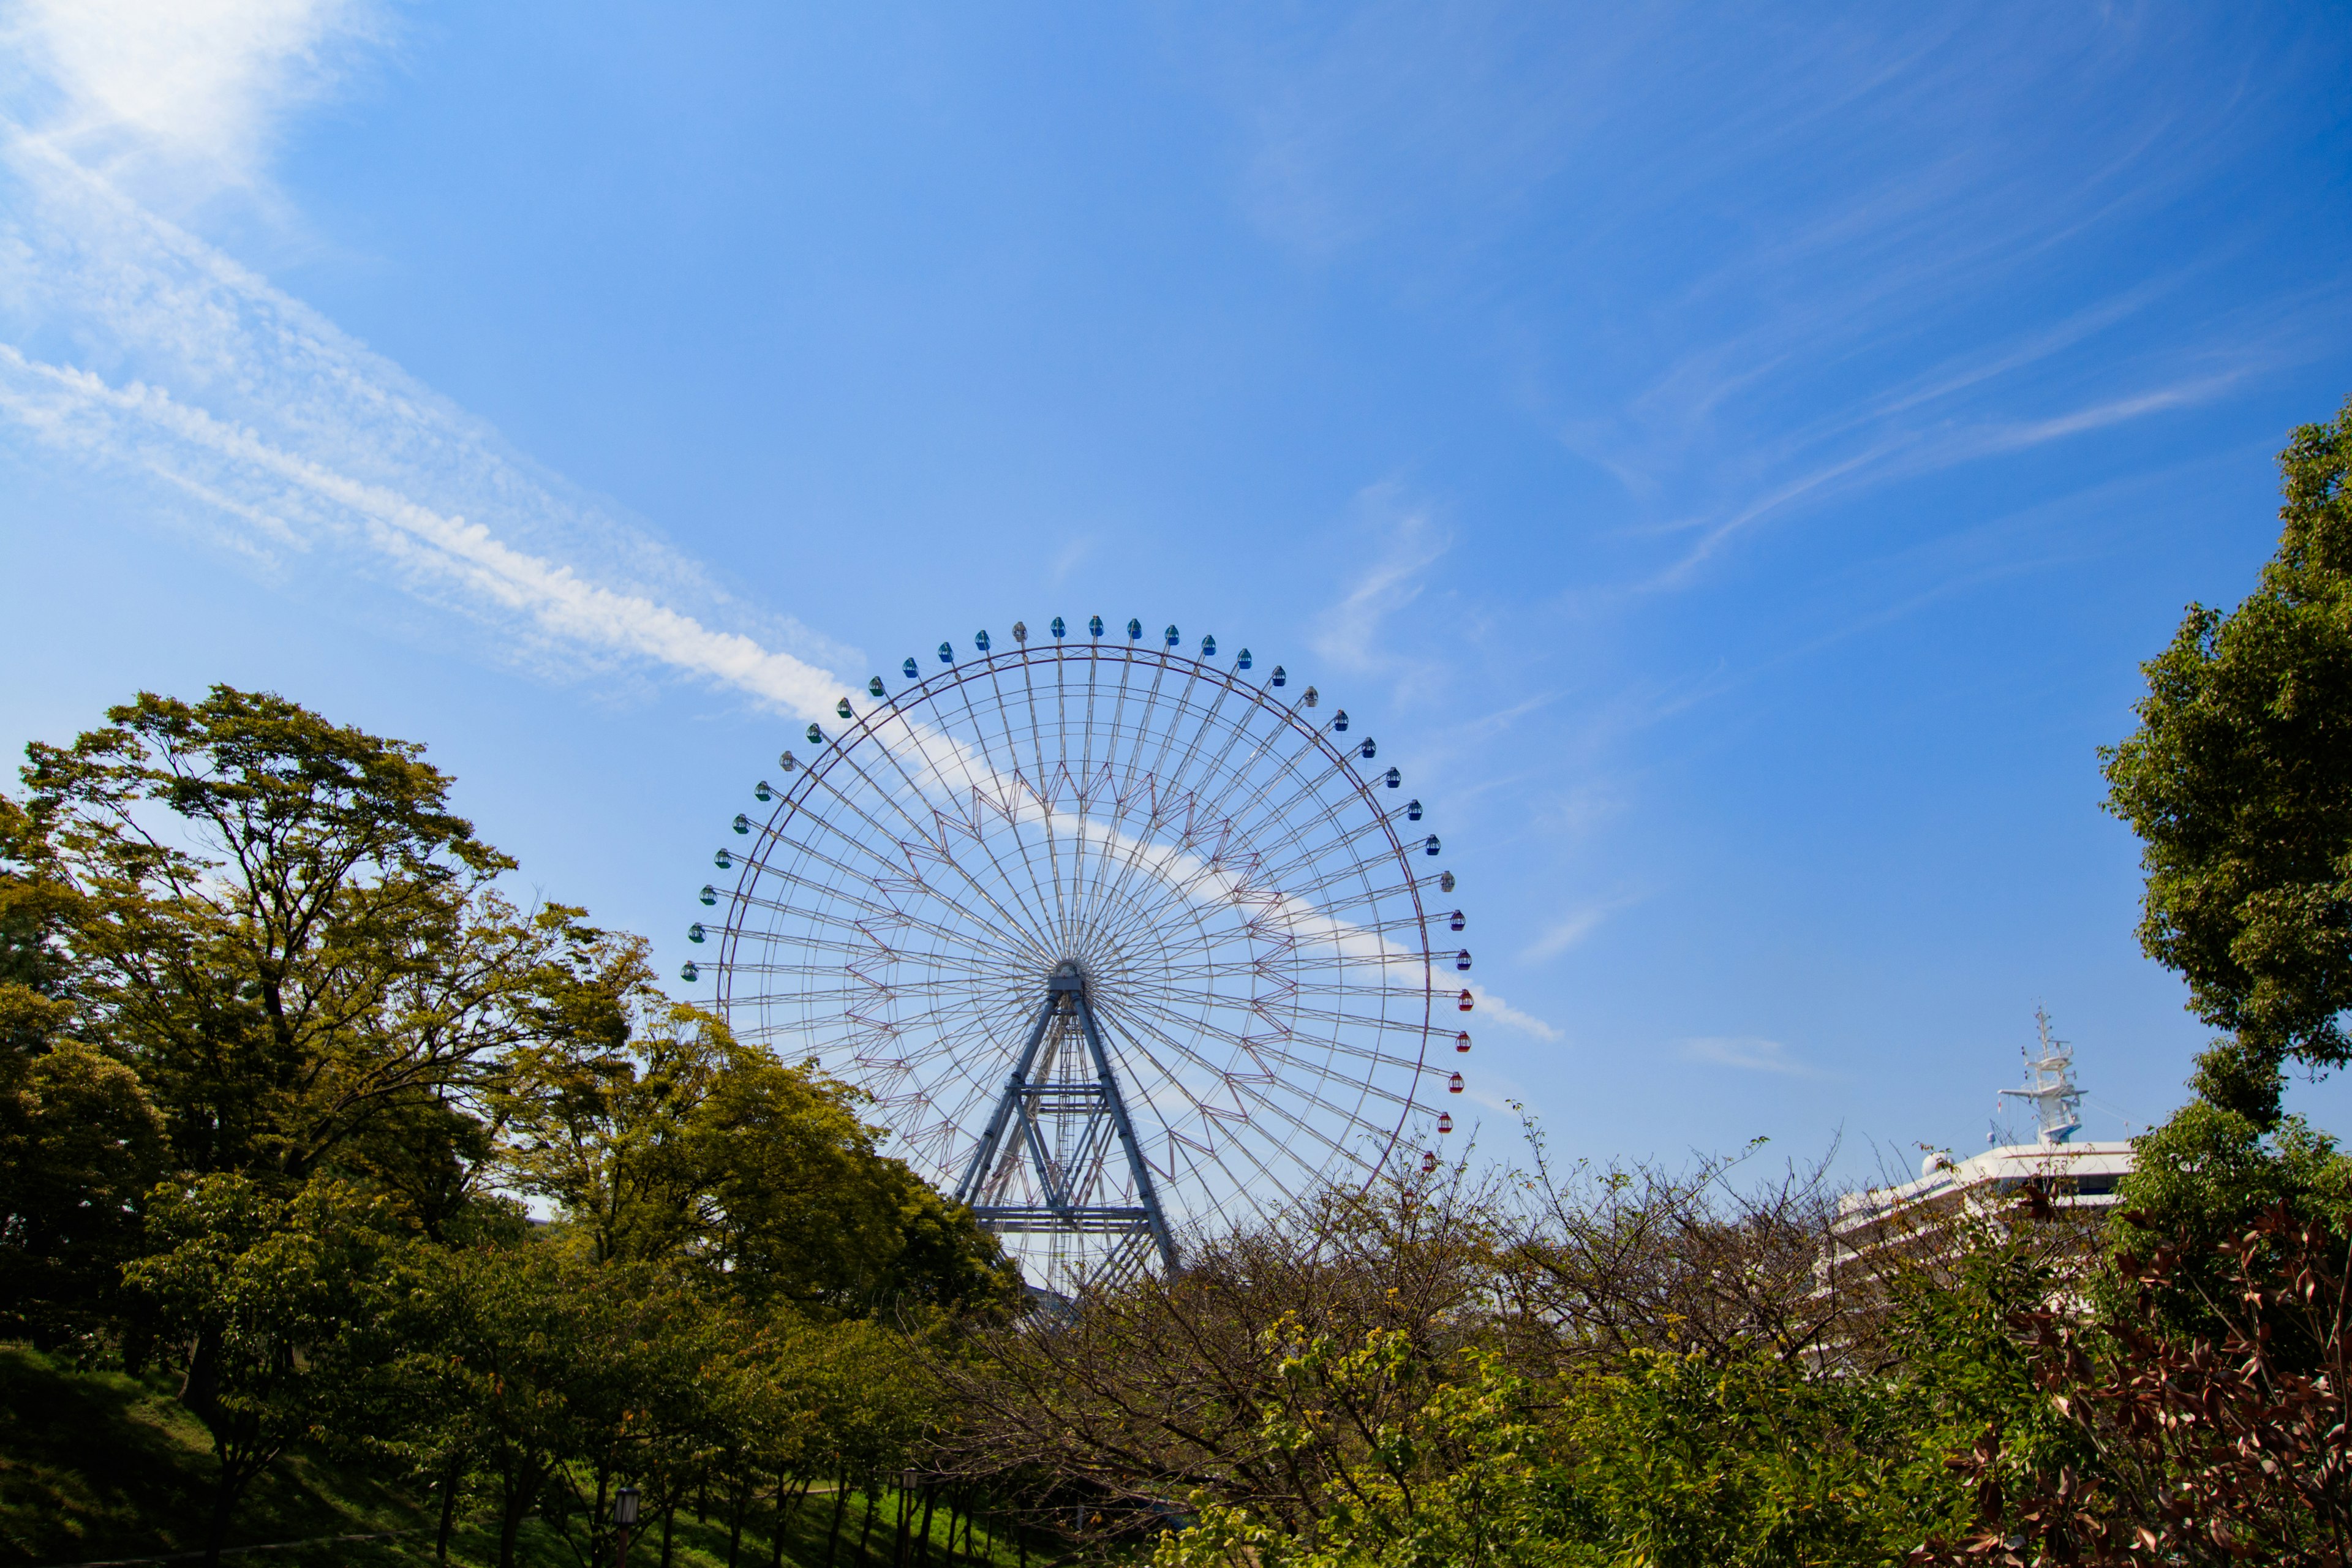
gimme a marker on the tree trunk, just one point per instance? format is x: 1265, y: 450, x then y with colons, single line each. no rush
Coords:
x: 603, y: 1514
x: 669, y: 1516
x: 923, y: 1543
x: 840, y: 1504
x: 450, y: 1485
x: 867, y: 1532
x: 742, y: 1501
x: 224, y: 1510
x: 200, y: 1383
x: 514, y: 1501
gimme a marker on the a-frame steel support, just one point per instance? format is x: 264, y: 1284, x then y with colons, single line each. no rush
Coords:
x: 1027, y: 1100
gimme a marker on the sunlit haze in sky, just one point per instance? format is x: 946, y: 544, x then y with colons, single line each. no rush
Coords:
x: 1734, y: 457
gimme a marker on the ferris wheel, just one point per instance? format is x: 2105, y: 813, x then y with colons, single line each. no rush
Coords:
x: 1128, y: 944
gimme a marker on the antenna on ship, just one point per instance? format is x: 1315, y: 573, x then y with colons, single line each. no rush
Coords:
x: 2057, y: 1101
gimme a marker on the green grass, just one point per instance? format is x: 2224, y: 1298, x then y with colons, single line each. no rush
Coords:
x: 702, y: 1543
x: 99, y: 1465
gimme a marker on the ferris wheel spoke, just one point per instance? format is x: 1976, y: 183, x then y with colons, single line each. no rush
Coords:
x: 1270, y: 1046
x: 871, y: 909
x: 1307, y: 757
x: 1197, y: 1151
x: 933, y: 848
x: 1008, y: 805
x: 1344, y: 837
x: 1300, y: 1125
x: 922, y: 832
x: 1047, y: 890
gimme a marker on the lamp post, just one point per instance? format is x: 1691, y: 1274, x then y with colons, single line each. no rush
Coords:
x: 625, y: 1514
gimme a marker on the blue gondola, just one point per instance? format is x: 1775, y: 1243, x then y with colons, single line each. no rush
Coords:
x: 1412, y: 811
x: 1240, y: 661
x: 694, y: 932
x: 1134, y: 630
x: 980, y: 641
x: 910, y: 670
x: 742, y: 823
x: 947, y: 654
x: 1058, y: 628
x: 1368, y: 750
x: 1429, y: 845
x: 1094, y: 626
x: 1462, y: 961
x: 1208, y: 648
x: 1454, y: 921
x: 1339, y: 720
x: 1392, y: 778
x: 1171, y: 634
x: 1281, y: 676
x: 709, y: 894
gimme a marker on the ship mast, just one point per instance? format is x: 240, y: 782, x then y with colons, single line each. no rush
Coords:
x: 2057, y: 1101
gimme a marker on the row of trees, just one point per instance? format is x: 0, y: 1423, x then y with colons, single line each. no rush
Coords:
x: 286, y: 1077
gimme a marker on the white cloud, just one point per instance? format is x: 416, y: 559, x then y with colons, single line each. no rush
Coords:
x: 1493, y: 1007
x: 1565, y: 933
x: 185, y: 83
x: 197, y: 373
x: 1749, y: 1054
x: 1350, y: 632
x: 74, y: 407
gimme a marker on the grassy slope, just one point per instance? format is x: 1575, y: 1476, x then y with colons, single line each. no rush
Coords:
x: 102, y: 1465
x: 99, y: 1465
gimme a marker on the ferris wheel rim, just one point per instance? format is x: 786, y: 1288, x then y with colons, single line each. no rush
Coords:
x: 1035, y: 927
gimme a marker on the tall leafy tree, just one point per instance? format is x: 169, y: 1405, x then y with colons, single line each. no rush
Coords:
x: 659, y: 1137
x: 287, y: 931
x: 80, y: 1140
x: 284, y: 1300
x: 2238, y: 782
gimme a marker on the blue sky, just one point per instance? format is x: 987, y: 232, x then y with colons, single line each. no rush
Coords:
x: 1736, y: 455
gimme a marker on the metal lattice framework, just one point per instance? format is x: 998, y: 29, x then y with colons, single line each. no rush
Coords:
x: 1124, y: 942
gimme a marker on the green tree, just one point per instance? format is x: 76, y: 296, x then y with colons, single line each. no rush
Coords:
x: 283, y: 1301
x: 80, y: 1140
x: 283, y: 927
x: 80, y: 1147
x: 2238, y: 782
x: 660, y: 1137
x: 2198, y: 1184
x: 519, y: 1360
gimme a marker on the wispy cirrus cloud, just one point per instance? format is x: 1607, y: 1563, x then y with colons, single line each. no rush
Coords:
x: 219, y: 462
x: 134, y: 347
x: 1749, y: 1053
x: 1571, y: 930
x: 1405, y: 543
